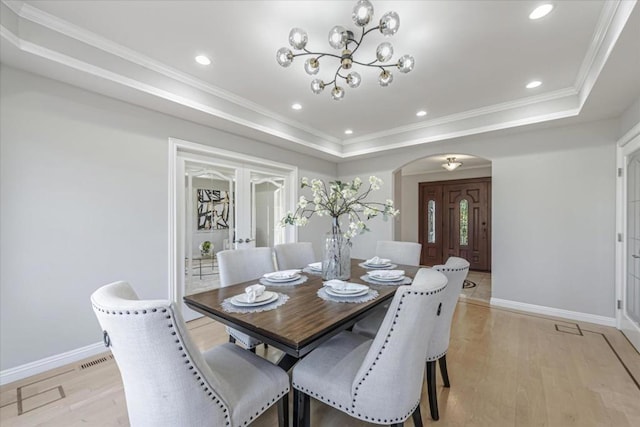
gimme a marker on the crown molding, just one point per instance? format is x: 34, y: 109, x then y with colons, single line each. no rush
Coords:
x: 480, y: 120
x: 478, y: 112
x: 80, y: 34
x: 111, y: 76
x: 466, y: 132
x: 611, y: 24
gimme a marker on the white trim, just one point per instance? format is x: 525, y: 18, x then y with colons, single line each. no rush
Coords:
x: 469, y: 114
x: 629, y: 143
x: 33, y: 368
x: 612, y: 21
x: 466, y: 132
x: 75, y: 32
x: 627, y: 137
x: 221, y: 156
x: 554, y: 312
x: 602, y: 28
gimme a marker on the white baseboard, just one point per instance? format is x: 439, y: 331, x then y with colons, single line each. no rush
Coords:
x: 555, y: 312
x: 23, y: 371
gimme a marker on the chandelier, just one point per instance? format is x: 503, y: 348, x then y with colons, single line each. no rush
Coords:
x: 343, y: 39
x: 451, y: 164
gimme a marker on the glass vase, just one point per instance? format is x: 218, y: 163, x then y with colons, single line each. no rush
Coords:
x: 336, y: 260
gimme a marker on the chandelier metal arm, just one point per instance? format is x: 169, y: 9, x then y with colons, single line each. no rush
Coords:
x: 364, y: 33
x: 321, y: 54
x: 373, y: 64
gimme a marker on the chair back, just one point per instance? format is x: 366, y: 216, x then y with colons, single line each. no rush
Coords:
x: 241, y: 265
x: 166, y: 381
x: 407, y: 253
x: 294, y: 255
x: 456, y: 269
x: 388, y: 384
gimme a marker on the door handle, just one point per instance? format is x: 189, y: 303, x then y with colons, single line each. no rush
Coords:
x: 248, y: 240
x: 635, y: 256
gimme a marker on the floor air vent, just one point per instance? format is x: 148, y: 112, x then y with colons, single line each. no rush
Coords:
x: 95, y: 362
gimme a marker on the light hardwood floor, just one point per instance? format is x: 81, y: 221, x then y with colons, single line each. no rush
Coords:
x: 506, y: 369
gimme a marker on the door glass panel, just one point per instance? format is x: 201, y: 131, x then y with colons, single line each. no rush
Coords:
x: 431, y: 221
x: 209, y: 222
x: 267, y: 201
x: 464, y: 222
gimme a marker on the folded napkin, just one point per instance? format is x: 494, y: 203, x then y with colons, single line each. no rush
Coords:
x: 283, y: 274
x: 315, y: 266
x: 253, y: 292
x: 378, y: 261
x: 341, y: 285
x: 386, y: 274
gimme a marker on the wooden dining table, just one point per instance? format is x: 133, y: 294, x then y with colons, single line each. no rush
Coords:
x: 304, y: 322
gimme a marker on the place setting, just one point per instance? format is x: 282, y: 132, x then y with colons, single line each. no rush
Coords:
x: 377, y: 263
x: 341, y: 291
x: 386, y: 277
x: 314, y: 268
x: 254, y: 299
x: 283, y: 278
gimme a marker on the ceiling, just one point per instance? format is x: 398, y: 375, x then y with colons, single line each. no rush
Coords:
x: 473, y: 60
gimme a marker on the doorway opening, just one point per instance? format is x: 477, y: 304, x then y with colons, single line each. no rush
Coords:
x: 221, y: 200
x: 451, y: 215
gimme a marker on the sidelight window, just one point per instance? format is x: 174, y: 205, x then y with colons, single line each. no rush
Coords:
x: 464, y: 222
x: 431, y: 221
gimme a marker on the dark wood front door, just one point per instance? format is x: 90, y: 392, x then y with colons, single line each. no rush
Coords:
x: 455, y: 218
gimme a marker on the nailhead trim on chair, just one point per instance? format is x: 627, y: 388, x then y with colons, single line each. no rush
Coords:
x: 206, y: 388
x: 451, y: 269
x: 353, y: 401
x: 431, y: 359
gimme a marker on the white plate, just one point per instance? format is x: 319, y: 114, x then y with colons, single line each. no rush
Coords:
x: 265, y: 298
x: 346, y: 294
x: 386, y: 279
x: 274, y: 277
x: 315, y: 266
x: 377, y: 265
x: 387, y: 275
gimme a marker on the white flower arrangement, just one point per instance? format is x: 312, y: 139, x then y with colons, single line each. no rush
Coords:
x: 337, y: 199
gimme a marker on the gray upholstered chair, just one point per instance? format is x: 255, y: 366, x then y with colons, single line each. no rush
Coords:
x: 168, y: 382
x: 294, y: 255
x: 376, y: 380
x: 456, y: 270
x: 407, y: 253
x: 237, y: 266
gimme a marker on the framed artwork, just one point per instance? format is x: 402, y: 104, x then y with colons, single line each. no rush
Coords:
x: 212, y: 209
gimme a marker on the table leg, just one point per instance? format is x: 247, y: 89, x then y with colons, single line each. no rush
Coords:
x: 287, y: 361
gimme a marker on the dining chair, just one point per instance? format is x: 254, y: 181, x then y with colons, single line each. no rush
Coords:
x: 241, y: 265
x: 407, y: 253
x: 168, y: 382
x: 294, y: 255
x: 377, y: 380
x: 456, y: 270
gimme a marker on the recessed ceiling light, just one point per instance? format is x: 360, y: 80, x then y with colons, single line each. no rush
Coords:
x: 203, y: 60
x: 533, y: 84
x: 421, y: 113
x: 296, y: 106
x: 348, y: 132
x: 541, y: 11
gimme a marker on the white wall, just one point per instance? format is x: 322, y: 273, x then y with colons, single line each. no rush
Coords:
x: 553, y: 227
x: 84, y: 197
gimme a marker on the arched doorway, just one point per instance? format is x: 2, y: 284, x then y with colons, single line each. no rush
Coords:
x: 456, y: 220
